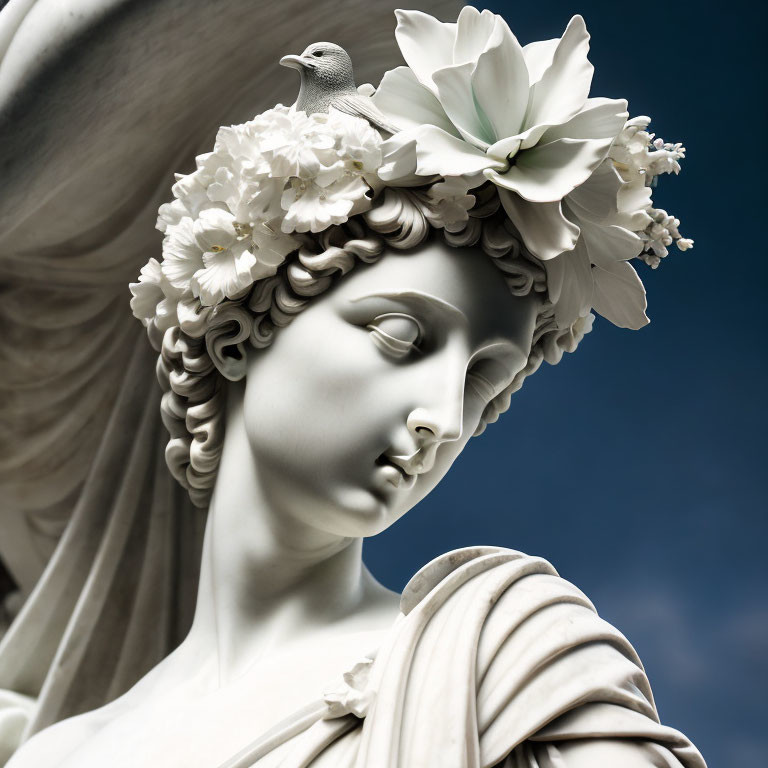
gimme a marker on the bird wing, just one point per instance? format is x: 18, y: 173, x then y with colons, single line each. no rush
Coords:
x: 362, y: 106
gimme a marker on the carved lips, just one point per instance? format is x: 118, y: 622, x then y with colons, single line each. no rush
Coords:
x: 399, y: 470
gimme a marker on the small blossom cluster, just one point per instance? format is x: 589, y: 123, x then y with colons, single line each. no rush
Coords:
x: 354, y: 694
x: 640, y: 159
x: 233, y: 220
x: 446, y: 203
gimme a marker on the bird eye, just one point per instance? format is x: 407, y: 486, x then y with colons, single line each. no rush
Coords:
x: 317, y: 53
x: 395, y: 334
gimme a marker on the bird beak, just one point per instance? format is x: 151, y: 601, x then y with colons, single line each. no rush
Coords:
x: 294, y: 62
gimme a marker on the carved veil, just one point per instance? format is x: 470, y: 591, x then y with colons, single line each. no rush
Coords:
x: 97, y: 109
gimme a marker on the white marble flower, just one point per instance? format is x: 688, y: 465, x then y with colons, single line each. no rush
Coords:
x: 447, y: 202
x: 597, y: 273
x: 359, y: 145
x: 270, y: 246
x: 474, y: 101
x: 231, y: 220
x: 153, y: 299
x: 617, y: 222
x: 182, y: 256
x: 317, y: 165
x: 640, y: 158
x: 295, y: 145
x: 190, y: 196
x: 311, y: 207
x: 327, y: 190
x: 237, y: 175
x: 147, y: 293
x: 227, y: 258
x: 353, y: 694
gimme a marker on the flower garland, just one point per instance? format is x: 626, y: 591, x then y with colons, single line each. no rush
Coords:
x: 233, y: 220
x: 574, y: 176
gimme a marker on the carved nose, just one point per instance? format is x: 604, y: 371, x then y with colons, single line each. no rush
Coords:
x: 439, y: 417
x: 430, y: 432
x: 435, y: 425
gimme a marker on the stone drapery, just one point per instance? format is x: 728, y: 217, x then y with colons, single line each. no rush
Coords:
x: 494, y: 661
x: 100, y: 102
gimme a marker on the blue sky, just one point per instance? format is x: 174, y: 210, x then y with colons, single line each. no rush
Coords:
x: 638, y: 465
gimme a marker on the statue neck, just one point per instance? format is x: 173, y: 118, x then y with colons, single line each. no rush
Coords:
x: 267, y: 579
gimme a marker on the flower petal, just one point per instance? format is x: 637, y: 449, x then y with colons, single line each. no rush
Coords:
x: 597, y: 198
x: 398, y: 156
x: 609, y: 244
x: 570, y: 285
x: 439, y: 153
x: 182, y: 257
x: 147, y: 293
x: 619, y: 295
x: 634, y: 201
x: 599, y: 119
x: 564, y: 86
x: 538, y: 58
x: 454, y: 89
x: 166, y: 314
x: 403, y: 98
x: 425, y: 42
x: 225, y: 275
x: 315, y: 209
x: 548, y: 172
x: 271, y: 247
x: 504, y: 149
x: 544, y: 229
x: 500, y: 82
x: 473, y: 29
x: 214, y: 229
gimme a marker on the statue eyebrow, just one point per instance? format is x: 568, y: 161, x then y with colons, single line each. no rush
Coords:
x: 419, y: 297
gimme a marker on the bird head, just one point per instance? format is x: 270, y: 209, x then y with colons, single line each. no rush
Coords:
x: 323, y: 62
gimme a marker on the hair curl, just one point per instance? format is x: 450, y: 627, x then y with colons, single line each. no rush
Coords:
x: 192, y: 405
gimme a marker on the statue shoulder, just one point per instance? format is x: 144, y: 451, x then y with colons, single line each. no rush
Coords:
x: 531, y: 629
x: 53, y: 745
x: 473, y: 560
x: 489, y: 576
x: 496, y: 637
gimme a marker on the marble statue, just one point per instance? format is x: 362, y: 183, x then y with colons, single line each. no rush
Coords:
x: 344, y: 298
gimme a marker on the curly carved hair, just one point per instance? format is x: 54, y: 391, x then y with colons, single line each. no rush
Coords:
x: 192, y: 405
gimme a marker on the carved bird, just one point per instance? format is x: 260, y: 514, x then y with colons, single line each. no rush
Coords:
x: 327, y: 81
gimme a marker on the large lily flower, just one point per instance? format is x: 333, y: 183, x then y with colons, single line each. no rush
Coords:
x: 473, y: 101
x: 597, y: 273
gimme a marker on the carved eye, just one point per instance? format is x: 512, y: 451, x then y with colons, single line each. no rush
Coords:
x: 317, y: 53
x: 395, y: 334
x: 487, y: 378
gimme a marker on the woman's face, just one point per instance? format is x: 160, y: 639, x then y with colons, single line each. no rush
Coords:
x: 363, y: 402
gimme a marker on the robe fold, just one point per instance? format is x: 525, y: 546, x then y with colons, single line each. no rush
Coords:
x: 494, y: 660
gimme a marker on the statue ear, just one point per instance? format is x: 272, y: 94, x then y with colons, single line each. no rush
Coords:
x: 229, y: 328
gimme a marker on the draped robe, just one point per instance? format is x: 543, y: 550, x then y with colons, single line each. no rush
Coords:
x: 494, y: 660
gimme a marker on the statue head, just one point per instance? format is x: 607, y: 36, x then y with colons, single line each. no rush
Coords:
x: 352, y: 256
x: 354, y: 321
x: 362, y: 403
